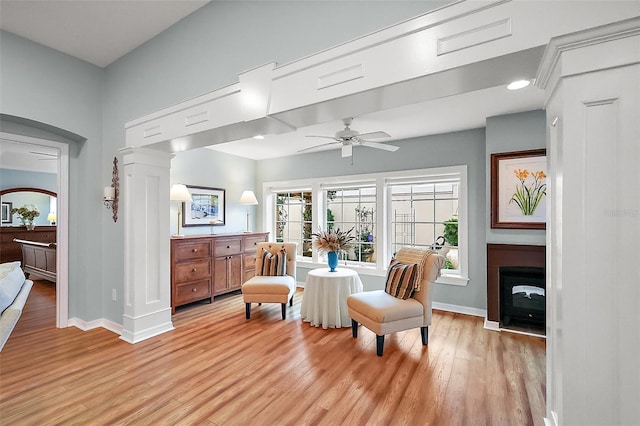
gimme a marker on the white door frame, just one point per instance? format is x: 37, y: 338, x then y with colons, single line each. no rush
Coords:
x: 62, y: 222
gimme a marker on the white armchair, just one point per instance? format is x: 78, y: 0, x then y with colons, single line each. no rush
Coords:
x: 383, y: 313
x: 271, y: 289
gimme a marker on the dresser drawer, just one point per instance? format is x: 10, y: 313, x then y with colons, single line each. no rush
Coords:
x: 192, y: 250
x: 250, y: 243
x: 193, y: 291
x: 249, y: 261
x: 192, y: 271
x: 228, y: 247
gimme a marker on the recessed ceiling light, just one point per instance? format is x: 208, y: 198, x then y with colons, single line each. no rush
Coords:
x: 518, y: 84
x: 258, y: 137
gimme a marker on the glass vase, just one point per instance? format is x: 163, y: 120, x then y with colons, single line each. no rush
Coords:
x: 332, y: 258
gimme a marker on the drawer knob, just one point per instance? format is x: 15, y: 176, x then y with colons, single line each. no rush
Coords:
x: 194, y: 270
x: 195, y: 250
x: 228, y: 247
x: 255, y: 243
x: 194, y: 290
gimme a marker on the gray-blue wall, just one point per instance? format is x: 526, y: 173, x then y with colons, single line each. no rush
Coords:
x: 205, y: 167
x: 451, y: 149
x: 201, y: 53
x: 20, y: 179
x: 507, y: 133
x: 57, y: 91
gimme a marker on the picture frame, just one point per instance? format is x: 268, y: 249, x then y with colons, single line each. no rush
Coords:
x: 7, y: 217
x: 208, y: 207
x: 519, y: 189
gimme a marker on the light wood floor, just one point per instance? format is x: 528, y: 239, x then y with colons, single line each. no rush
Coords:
x: 216, y: 368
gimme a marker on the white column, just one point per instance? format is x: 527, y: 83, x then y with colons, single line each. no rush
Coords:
x: 592, y: 81
x: 147, y: 304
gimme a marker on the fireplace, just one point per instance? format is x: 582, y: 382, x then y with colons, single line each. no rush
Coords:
x: 522, y: 297
x: 527, y: 259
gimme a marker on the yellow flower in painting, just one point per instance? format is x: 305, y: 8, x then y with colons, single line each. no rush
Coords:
x: 528, y: 196
x: 521, y: 174
x: 540, y: 175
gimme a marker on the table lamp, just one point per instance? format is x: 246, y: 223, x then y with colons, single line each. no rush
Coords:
x: 248, y: 198
x: 181, y: 194
x: 51, y: 218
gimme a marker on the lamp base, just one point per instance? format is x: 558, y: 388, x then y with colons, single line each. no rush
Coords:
x: 178, y: 235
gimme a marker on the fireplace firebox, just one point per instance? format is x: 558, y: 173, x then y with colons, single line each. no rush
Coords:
x: 522, y: 297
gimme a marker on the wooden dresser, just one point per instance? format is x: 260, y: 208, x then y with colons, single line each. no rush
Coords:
x: 10, y: 250
x: 204, y: 266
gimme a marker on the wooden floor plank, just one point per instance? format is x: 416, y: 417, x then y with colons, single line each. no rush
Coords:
x: 217, y: 368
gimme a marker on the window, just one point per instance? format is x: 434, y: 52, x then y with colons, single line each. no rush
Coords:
x: 385, y: 210
x: 293, y: 219
x: 424, y: 213
x: 354, y: 208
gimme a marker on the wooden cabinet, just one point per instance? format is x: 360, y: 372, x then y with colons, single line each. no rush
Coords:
x: 228, y: 264
x: 204, y: 266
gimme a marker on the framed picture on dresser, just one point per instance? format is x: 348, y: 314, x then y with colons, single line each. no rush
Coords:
x: 206, y: 208
x: 7, y: 217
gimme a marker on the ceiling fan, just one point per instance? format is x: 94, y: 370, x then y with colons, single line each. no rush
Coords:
x: 348, y: 138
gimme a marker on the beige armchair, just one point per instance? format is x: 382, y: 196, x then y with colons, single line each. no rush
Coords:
x: 384, y: 314
x: 271, y: 289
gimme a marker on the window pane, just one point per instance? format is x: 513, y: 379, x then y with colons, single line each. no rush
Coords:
x: 354, y: 208
x: 293, y: 219
x: 425, y: 234
x: 430, y: 206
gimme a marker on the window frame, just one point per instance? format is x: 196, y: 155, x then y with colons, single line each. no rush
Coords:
x: 383, y: 217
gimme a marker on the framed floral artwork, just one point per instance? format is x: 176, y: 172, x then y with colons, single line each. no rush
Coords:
x: 207, y: 207
x: 519, y: 189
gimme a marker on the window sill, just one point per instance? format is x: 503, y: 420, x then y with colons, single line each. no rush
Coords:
x: 456, y: 280
x: 446, y: 279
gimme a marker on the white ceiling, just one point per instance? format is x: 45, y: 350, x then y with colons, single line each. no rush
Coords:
x: 31, y: 158
x: 96, y: 31
x: 102, y: 31
x: 448, y: 114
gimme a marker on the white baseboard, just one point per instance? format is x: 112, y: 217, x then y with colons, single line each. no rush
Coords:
x: 495, y: 326
x: 553, y: 421
x: 491, y: 325
x: 459, y: 309
x: 101, y: 322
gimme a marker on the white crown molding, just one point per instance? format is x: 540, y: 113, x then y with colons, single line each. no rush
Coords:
x: 580, y: 39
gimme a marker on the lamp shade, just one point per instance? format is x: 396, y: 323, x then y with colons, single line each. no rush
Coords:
x: 179, y: 192
x: 51, y: 217
x: 248, y: 198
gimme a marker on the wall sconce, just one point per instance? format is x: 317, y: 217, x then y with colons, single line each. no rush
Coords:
x: 248, y: 198
x: 51, y: 217
x: 112, y: 193
x: 181, y: 194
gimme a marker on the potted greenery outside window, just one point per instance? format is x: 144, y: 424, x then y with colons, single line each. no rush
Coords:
x: 27, y: 215
x: 451, y: 238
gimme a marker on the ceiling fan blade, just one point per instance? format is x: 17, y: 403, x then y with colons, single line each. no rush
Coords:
x: 311, y: 148
x: 374, y: 135
x: 377, y: 145
x: 347, y: 150
x: 324, y: 137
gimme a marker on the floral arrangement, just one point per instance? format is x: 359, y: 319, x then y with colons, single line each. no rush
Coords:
x: 333, y: 240
x: 26, y: 214
x: 528, y: 195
